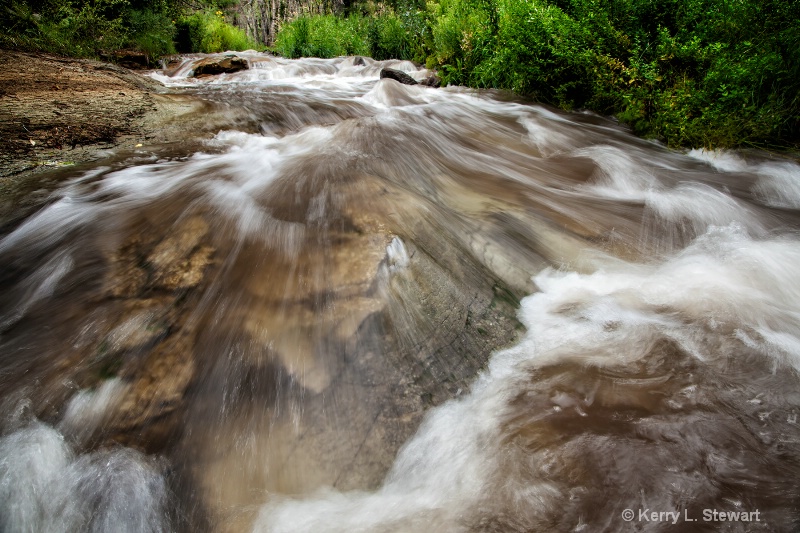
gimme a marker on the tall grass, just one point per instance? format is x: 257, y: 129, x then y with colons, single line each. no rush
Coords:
x: 381, y: 37
x: 323, y: 36
x: 209, y: 32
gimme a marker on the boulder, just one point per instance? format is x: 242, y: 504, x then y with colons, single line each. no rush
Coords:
x: 225, y: 65
x: 432, y: 81
x: 398, y: 75
x: 358, y: 61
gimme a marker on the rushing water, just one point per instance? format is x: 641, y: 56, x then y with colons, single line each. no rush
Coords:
x: 345, y: 304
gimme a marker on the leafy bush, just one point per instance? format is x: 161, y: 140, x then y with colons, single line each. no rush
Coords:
x: 151, y: 32
x: 388, y: 38
x: 463, y: 38
x: 208, y: 32
x: 81, y: 30
x: 544, y: 53
x: 691, y: 72
x: 85, y: 29
x: 323, y: 36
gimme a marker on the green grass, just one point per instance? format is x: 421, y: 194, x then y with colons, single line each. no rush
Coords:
x: 380, y: 36
x: 209, y: 32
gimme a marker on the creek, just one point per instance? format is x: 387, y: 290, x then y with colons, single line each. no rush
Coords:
x: 367, y: 306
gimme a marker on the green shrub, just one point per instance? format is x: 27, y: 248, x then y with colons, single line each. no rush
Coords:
x: 151, y: 32
x: 544, y: 53
x: 690, y: 72
x: 208, y: 32
x: 463, y: 39
x: 389, y: 38
x: 81, y: 30
x: 85, y: 29
x: 309, y: 37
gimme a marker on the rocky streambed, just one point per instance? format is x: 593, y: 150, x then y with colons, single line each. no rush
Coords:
x: 276, y: 295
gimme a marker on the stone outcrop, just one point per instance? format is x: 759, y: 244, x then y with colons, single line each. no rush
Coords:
x: 140, y: 334
x: 55, y: 112
x: 215, y: 65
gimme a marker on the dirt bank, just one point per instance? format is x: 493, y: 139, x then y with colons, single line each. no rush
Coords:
x: 56, y: 112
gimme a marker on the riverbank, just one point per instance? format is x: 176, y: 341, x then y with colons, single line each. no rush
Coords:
x: 57, y: 112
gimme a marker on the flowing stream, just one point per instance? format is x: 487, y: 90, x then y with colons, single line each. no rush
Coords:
x: 343, y: 304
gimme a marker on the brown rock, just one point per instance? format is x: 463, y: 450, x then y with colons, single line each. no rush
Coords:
x: 432, y: 81
x: 175, y: 262
x: 159, y: 386
x: 125, y: 277
x: 142, y: 322
x: 225, y: 65
x: 188, y: 272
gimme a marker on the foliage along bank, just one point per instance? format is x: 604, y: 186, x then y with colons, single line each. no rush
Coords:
x: 97, y: 28
x: 711, y: 73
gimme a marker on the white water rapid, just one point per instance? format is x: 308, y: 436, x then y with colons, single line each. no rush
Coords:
x: 343, y: 304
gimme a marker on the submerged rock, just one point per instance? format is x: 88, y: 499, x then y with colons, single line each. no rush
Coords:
x: 398, y: 75
x: 432, y: 81
x: 224, y: 65
x: 177, y: 262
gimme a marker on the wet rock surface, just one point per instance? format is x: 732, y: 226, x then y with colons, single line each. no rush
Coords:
x: 226, y: 65
x: 379, y: 319
x: 192, y: 336
x: 432, y: 81
x: 375, y: 322
x: 398, y: 75
x: 56, y: 113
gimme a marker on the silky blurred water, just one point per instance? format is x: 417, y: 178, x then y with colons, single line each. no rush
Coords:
x: 344, y: 304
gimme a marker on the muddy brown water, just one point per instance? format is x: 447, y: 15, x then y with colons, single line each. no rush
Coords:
x: 364, y: 306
